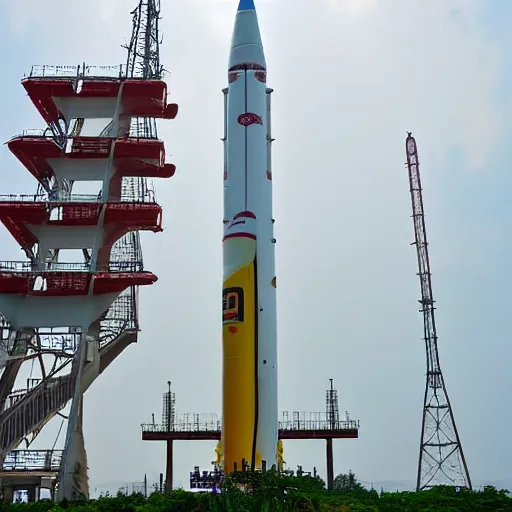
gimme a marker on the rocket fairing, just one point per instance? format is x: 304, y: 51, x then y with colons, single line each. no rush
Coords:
x: 249, y: 415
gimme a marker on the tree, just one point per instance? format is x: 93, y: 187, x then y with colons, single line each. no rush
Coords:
x: 347, y: 482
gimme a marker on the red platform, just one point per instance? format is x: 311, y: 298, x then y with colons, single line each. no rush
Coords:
x: 213, y: 435
x: 122, y: 217
x: 60, y: 284
x: 140, y: 98
x: 132, y: 157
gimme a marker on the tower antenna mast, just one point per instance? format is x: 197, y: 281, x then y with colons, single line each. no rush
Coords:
x: 441, y: 459
x: 143, y: 59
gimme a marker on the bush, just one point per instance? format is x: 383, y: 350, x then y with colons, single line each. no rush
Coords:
x: 271, y: 492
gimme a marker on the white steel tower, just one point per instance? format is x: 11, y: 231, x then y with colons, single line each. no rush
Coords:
x: 81, y: 313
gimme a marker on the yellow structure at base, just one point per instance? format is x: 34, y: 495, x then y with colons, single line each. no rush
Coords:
x: 280, y: 450
x: 218, y: 454
x: 239, y: 368
x: 280, y: 459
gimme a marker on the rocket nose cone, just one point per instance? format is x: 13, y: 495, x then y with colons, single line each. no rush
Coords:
x: 246, y: 45
x: 246, y: 5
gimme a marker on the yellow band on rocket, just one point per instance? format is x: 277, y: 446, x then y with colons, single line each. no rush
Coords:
x: 239, y: 373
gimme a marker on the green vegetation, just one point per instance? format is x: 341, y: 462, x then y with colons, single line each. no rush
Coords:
x: 285, y: 493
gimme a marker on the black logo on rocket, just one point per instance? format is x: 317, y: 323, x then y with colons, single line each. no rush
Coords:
x: 232, y: 305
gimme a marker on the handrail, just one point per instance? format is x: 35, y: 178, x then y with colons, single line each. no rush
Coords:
x: 318, y: 425
x: 33, y: 460
x: 81, y: 71
x: 215, y: 426
x: 33, y: 132
x: 148, y: 198
x: 37, y: 133
x: 202, y: 426
x: 28, y: 267
x: 38, y: 198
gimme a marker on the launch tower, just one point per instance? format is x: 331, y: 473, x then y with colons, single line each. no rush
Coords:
x: 73, y: 301
x: 441, y: 460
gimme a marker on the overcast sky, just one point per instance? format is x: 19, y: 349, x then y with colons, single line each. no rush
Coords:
x: 350, y: 77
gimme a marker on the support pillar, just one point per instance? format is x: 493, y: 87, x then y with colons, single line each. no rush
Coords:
x: 31, y: 492
x: 8, y: 494
x: 168, y: 466
x: 330, y: 465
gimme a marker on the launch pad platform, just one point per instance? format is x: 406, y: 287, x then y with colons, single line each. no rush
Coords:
x: 299, y: 425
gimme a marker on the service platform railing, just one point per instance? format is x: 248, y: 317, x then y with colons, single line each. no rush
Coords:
x: 64, y: 344
x: 33, y: 460
x: 45, y: 198
x: 210, y: 423
x: 128, y: 195
x: 112, y: 267
x: 65, y: 141
x: 187, y: 423
x: 302, y: 420
x: 82, y: 71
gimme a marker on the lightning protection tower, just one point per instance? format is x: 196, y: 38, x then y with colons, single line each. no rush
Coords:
x: 441, y: 460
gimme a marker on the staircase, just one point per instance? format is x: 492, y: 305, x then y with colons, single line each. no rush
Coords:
x: 30, y: 412
x: 41, y: 403
x: 118, y: 328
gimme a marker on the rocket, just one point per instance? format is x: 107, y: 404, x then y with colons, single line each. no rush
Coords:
x: 249, y: 411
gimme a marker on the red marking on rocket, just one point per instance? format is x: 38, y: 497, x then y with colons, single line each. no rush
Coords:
x: 249, y: 118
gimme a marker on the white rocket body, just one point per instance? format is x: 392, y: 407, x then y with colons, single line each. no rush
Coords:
x: 249, y: 260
